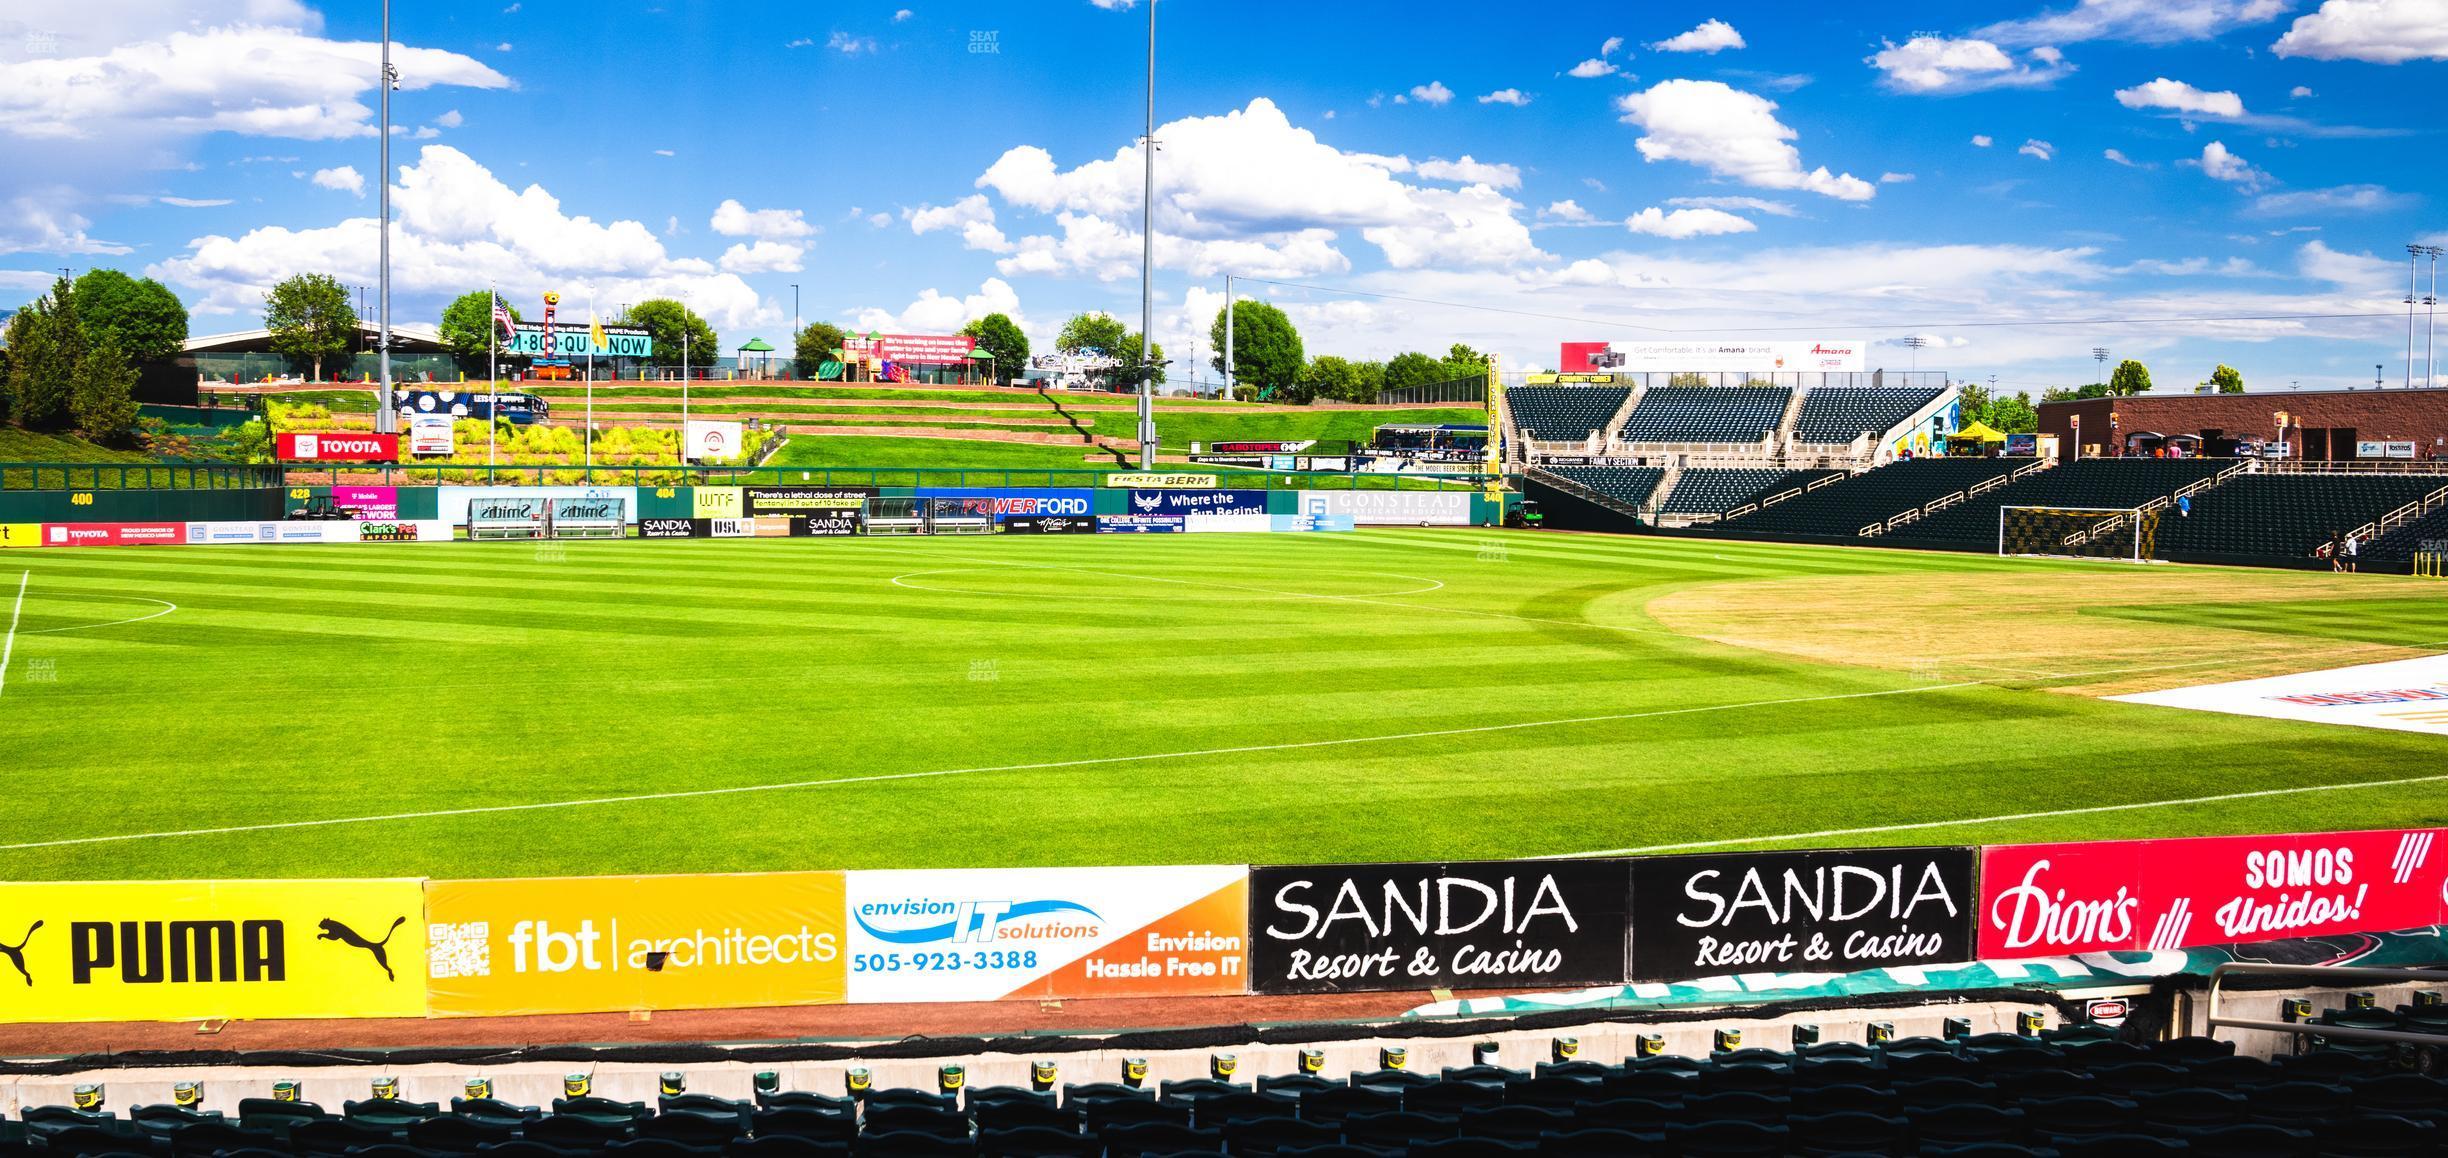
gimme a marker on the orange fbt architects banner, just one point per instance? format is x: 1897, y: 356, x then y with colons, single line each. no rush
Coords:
x: 996, y: 934
x: 193, y: 950
x: 612, y: 944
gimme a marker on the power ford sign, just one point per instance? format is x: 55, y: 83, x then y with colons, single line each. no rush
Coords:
x: 1007, y: 503
x: 336, y: 446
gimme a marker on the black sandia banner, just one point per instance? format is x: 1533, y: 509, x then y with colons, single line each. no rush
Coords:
x: 1801, y: 912
x: 1342, y: 928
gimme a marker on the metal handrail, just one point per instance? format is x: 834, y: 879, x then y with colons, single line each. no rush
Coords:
x: 2220, y: 972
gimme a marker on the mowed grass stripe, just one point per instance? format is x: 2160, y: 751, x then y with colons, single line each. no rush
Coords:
x: 313, y: 683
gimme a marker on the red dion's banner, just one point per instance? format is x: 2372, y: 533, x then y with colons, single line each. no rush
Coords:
x: 337, y: 446
x: 2045, y: 900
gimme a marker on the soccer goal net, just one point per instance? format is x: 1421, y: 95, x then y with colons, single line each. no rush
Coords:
x: 2125, y: 534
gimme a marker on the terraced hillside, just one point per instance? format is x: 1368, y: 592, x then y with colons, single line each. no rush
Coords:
x: 987, y: 426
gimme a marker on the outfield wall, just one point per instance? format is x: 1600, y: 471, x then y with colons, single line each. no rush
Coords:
x: 191, y: 950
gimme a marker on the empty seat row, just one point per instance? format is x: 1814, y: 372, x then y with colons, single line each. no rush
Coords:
x: 1841, y: 509
x: 2098, y: 483
x: 1688, y: 414
x: 1834, y: 414
x: 2288, y: 515
x: 1630, y: 485
x: 1564, y: 413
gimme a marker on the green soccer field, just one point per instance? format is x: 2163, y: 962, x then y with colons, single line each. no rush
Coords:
x: 499, y: 709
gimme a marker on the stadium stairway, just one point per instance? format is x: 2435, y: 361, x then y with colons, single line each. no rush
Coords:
x: 2075, y: 1091
x: 1972, y: 524
x: 1709, y: 492
x: 2426, y: 533
x: 1838, y: 512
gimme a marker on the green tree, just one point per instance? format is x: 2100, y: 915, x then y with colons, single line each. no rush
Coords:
x: 2131, y: 377
x: 667, y: 322
x: 2014, y: 414
x: 2228, y: 379
x: 45, y: 344
x: 311, y: 319
x: 103, y: 395
x: 140, y: 315
x: 1266, y: 350
x: 1412, y: 368
x: 1330, y: 377
x: 1463, y: 362
x: 467, y: 328
x: 814, y: 346
x: 1687, y: 378
x: 998, y: 335
x: 1103, y: 333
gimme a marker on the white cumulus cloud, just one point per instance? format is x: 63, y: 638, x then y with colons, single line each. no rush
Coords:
x: 2177, y: 96
x: 1712, y: 36
x: 1506, y: 96
x: 2374, y: 31
x: 2218, y: 163
x: 732, y: 219
x: 1684, y: 223
x: 763, y: 257
x: 1937, y: 64
x: 1432, y: 93
x: 1731, y: 133
x: 2040, y: 149
x: 935, y: 313
x: 1469, y: 171
x: 1593, y: 67
x: 344, y: 178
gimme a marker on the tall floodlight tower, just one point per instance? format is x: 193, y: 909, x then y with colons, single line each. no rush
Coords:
x: 1147, y: 262
x: 386, y: 419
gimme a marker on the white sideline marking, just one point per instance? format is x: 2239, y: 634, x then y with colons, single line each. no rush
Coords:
x: 2013, y: 816
x: 9, y: 648
x: 1050, y: 764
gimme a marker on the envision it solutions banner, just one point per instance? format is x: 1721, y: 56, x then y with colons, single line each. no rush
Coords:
x: 990, y: 934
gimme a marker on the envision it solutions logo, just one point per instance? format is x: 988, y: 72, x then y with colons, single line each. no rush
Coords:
x: 977, y: 922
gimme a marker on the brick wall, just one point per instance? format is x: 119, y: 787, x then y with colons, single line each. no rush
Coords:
x: 2371, y: 415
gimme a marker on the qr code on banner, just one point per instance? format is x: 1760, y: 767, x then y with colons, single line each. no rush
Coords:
x: 459, y: 950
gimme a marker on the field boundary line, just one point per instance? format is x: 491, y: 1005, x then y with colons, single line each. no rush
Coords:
x: 8, y: 650
x: 1083, y: 762
x: 2004, y: 819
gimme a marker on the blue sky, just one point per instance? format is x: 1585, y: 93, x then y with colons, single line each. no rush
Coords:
x: 1582, y: 171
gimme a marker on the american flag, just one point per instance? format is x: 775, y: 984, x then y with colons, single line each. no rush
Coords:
x: 501, y: 320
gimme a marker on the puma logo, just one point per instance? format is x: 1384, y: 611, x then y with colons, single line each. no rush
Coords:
x: 335, y: 931
x: 16, y: 953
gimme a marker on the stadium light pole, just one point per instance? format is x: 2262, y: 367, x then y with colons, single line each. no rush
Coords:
x: 386, y: 420
x: 1228, y: 337
x: 2099, y: 357
x: 684, y: 380
x: 1147, y: 263
x: 1914, y: 342
x: 492, y: 376
x: 794, y: 321
x: 2430, y: 317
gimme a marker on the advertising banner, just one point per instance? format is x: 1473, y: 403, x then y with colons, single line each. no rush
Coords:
x: 756, y: 527
x: 430, y: 434
x: 1411, y: 508
x: 1138, y: 524
x: 1309, y: 522
x: 452, y: 503
x: 612, y: 944
x: 2048, y: 899
x: 1161, y: 481
x: 191, y: 950
x: 1826, y: 356
x: 571, y: 339
x: 1833, y: 911
x: 674, y: 528
x: 1349, y: 928
x: 991, y: 934
x: 825, y: 524
x: 2395, y: 448
x: 1198, y: 502
x: 221, y: 534
x: 336, y: 446
x: 718, y: 502
x: 928, y: 348
x: 400, y: 531
x: 1008, y: 502
x: 20, y: 535
x: 502, y: 511
x: 803, y: 500
x: 707, y: 440
x: 1047, y: 525
x: 2401, y: 695
x: 113, y: 534
x: 367, y: 502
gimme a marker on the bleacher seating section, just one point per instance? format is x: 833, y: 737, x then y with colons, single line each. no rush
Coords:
x: 1716, y: 490
x: 1832, y: 414
x: 2073, y: 1092
x: 2426, y: 534
x: 2094, y: 482
x: 1564, y: 413
x: 1841, y: 509
x: 1631, y: 486
x: 2287, y: 515
x: 1706, y: 414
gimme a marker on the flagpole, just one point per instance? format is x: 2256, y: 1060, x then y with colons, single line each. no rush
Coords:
x: 492, y: 377
x: 684, y: 382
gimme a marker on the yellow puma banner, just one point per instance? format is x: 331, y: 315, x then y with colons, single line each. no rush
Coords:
x: 190, y: 950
